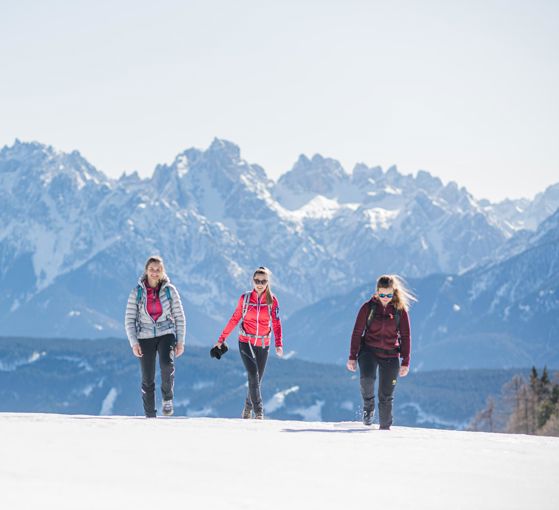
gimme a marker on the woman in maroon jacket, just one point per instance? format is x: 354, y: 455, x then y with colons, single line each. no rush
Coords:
x: 382, y: 335
x: 258, y: 313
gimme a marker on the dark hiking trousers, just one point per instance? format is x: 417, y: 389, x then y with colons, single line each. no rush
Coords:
x: 388, y: 369
x: 164, y: 346
x: 254, y: 358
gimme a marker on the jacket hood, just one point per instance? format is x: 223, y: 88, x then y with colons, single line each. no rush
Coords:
x: 142, y: 281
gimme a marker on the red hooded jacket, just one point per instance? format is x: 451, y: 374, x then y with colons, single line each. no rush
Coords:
x: 382, y: 332
x: 256, y: 322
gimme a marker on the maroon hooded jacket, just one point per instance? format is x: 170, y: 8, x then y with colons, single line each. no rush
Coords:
x: 382, y: 332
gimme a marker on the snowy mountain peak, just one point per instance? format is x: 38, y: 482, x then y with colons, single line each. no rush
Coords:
x: 222, y: 160
x: 47, y: 164
x: 363, y: 175
x: 309, y: 178
x: 133, y: 177
x: 319, y: 164
x: 457, y: 196
x: 393, y: 171
x: 320, y: 168
x: 427, y: 182
x: 26, y: 154
x: 179, y: 168
x: 523, y: 214
x: 19, y: 149
x: 225, y: 149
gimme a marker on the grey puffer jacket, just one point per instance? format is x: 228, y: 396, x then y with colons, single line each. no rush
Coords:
x: 139, y: 323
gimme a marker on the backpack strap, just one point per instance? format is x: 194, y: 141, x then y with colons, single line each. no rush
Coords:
x: 170, y: 299
x: 246, y: 301
x: 141, y: 291
x: 270, y: 307
x: 397, y: 315
x: 370, y: 316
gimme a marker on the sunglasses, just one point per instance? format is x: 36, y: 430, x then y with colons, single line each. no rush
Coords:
x: 260, y: 282
x: 386, y: 295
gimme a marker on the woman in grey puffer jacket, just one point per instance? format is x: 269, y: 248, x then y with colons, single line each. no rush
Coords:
x: 155, y: 323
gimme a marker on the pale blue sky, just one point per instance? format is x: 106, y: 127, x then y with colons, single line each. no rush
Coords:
x: 467, y: 90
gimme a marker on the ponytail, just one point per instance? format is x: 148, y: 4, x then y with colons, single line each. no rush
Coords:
x: 403, y: 297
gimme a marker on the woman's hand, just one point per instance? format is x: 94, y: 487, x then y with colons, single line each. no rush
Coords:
x: 404, y: 371
x: 351, y: 365
x: 179, y: 349
x: 279, y: 351
x: 137, y: 350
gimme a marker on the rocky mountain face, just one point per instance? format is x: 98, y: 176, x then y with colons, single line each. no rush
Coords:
x: 73, y: 241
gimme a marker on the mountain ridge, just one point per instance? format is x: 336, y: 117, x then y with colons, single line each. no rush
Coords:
x: 214, y: 217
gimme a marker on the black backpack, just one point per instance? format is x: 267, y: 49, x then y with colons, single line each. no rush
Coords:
x: 371, y: 316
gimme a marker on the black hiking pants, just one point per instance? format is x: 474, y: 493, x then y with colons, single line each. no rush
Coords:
x: 164, y: 345
x: 388, y: 370
x: 254, y: 358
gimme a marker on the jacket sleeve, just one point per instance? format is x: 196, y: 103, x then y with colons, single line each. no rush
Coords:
x: 233, y: 321
x: 177, y: 311
x: 405, y: 338
x: 130, y: 317
x: 360, y: 322
x: 276, y: 323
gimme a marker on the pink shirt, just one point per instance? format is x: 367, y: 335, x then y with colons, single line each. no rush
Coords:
x: 153, y: 304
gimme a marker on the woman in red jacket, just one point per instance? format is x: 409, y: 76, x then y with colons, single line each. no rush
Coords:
x: 258, y: 313
x: 382, y: 335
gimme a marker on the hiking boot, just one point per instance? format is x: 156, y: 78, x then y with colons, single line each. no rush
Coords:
x: 168, y: 408
x: 259, y: 415
x: 368, y: 415
x: 247, y: 413
x: 384, y: 427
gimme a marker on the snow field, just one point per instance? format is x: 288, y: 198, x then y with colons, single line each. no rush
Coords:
x: 84, y: 462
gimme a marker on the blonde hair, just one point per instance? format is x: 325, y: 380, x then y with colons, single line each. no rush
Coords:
x: 268, y: 273
x: 402, y: 295
x: 155, y: 259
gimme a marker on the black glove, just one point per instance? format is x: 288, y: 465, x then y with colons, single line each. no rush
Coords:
x: 216, y: 352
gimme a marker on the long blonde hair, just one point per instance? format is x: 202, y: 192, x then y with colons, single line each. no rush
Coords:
x: 402, y: 295
x: 268, y: 273
x: 157, y: 260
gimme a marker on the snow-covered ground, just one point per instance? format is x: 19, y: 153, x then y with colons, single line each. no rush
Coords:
x: 85, y: 462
